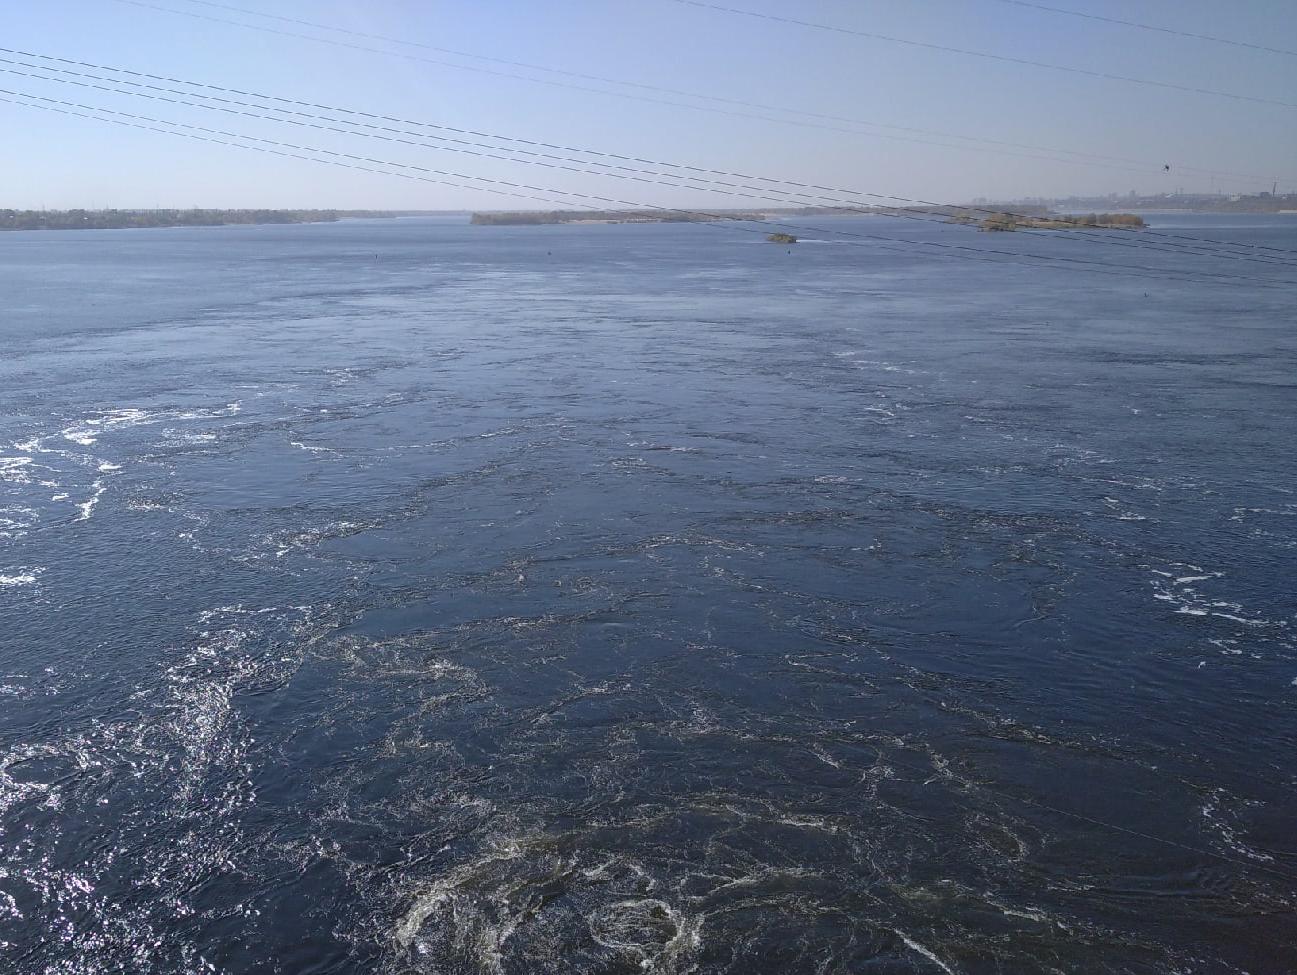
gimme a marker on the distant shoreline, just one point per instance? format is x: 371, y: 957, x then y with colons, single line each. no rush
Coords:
x: 1033, y: 216
x: 1036, y: 215
x: 533, y: 218
x: 198, y: 217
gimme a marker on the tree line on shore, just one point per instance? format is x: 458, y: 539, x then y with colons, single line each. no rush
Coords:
x: 1019, y: 221
x: 121, y: 219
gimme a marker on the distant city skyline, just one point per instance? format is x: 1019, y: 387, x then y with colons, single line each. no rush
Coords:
x: 1120, y: 136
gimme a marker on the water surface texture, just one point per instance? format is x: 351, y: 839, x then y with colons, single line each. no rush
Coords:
x: 410, y: 597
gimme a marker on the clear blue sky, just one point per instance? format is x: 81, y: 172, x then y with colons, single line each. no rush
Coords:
x: 58, y: 161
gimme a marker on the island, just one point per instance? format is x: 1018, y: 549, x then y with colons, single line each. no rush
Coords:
x: 1004, y: 222
x: 782, y: 239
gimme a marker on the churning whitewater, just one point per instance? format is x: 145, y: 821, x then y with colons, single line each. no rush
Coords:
x: 412, y: 597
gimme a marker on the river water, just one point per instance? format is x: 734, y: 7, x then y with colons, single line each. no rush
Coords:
x: 405, y: 596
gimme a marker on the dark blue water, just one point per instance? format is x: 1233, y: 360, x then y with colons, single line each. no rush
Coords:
x: 413, y: 597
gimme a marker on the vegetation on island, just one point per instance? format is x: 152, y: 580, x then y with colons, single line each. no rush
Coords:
x: 999, y: 222
x: 124, y: 219
x: 782, y: 239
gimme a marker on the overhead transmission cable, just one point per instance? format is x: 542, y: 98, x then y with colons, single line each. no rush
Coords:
x: 761, y: 194
x: 1149, y: 27
x: 686, y: 173
x: 744, y: 191
x: 818, y: 120
x: 987, y: 55
x: 510, y: 188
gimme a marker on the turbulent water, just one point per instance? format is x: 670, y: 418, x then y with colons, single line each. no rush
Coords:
x: 412, y: 597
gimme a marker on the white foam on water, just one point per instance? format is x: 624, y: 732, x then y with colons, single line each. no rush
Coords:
x: 179, y: 438
x: 20, y: 577
x: 79, y: 435
x: 925, y: 952
x: 505, y: 432
x: 1287, y: 511
x: 886, y: 366
x: 636, y: 927
x: 88, y: 431
x: 1218, y: 817
x: 16, y: 519
x: 1245, y: 621
x: 1180, y: 588
x: 285, y: 542
x: 1123, y: 515
x: 667, y: 448
x: 1227, y: 647
x: 426, y: 904
x: 1029, y: 914
x: 12, y: 469
x: 13, y: 791
x: 24, y: 467
x: 87, y: 507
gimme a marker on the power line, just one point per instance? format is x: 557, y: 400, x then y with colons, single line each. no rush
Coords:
x: 687, y: 172
x: 821, y: 120
x: 643, y: 175
x: 1132, y: 23
x: 948, y: 49
x: 137, y: 121
x: 510, y: 188
x: 686, y: 182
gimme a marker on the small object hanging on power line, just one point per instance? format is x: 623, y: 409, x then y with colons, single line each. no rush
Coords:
x: 1166, y: 168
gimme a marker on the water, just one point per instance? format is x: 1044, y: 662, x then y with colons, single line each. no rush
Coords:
x: 413, y: 597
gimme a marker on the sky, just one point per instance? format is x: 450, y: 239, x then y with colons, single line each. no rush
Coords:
x: 746, y: 94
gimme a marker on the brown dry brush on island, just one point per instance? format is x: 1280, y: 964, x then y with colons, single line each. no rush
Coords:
x: 1097, y: 221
